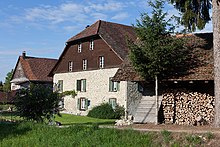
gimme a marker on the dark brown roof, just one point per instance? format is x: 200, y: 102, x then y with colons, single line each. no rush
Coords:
x: 7, y: 97
x: 115, y: 35
x: 37, y: 69
x: 202, y: 45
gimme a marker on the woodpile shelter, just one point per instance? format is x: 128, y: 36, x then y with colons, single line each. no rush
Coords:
x: 184, y: 99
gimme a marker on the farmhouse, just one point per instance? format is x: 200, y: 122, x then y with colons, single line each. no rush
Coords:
x: 94, y: 63
x: 32, y: 70
x: 88, y: 63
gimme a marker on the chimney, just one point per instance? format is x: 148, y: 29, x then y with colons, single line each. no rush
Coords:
x: 24, y: 54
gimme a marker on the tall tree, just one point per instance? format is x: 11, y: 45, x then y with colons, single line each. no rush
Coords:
x: 196, y: 14
x: 7, y: 84
x: 1, y: 86
x: 157, y: 54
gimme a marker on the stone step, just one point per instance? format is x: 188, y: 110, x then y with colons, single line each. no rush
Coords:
x: 146, y: 110
x: 147, y: 102
x: 148, y: 119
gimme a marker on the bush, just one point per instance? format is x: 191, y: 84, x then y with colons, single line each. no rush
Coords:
x: 105, y: 111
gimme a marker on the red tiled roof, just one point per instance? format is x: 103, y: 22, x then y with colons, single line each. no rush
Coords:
x: 37, y: 69
x: 202, y: 45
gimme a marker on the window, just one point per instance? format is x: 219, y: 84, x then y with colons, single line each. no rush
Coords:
x: 82, y: 104
x: 81, y: 85
x: 101, y: 62
x: 80, y: 47
x: 70, y: 66
x: 113, y: 86
x: 60, y: 86
x: 112, y: 102
x: 91, y: 45
x: 84, y: 64
x: 61, y: 104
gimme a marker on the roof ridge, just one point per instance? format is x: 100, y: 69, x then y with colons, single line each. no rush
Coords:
x: 38, y: 57
x: 99, y: 25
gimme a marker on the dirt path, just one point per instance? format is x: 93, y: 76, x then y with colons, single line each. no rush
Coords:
x: 174, y: 128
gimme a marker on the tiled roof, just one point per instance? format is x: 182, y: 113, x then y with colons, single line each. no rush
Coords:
x: 202, y: 45
x: 115, y: 35
x: 7, y: 97
x: 37, y: 69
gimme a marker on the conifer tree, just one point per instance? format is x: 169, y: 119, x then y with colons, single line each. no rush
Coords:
x: 158, y: 53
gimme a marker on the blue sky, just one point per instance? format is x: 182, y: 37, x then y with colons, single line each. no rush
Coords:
x: 41, y: 27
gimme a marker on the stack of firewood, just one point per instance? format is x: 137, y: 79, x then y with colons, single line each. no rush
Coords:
x: 188, y: 108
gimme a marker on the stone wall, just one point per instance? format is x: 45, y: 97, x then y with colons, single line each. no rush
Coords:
x: 97, y: 88
x: 134, y: 97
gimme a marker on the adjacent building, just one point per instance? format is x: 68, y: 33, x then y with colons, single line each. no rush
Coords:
x: 32, y: 70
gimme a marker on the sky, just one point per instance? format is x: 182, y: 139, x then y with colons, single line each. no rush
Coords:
x: 41, y: 27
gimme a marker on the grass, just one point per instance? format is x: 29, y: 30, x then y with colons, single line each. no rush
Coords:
x: 65, y: 119
x: 68, y: 119
x: 30, y: 134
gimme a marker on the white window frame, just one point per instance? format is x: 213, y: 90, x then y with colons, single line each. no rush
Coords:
x: 81, y: 85
x: 84, y: 64
x: 101, y: 61
x: 60, y: 85
x: 91, y: 44
x: 113, y: 102
x: 70, y: 66
x: 82, y: 103
x: 113, y: 85
x: 80, y: 47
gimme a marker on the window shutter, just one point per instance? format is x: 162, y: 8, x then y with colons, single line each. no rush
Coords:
x: 86, y: 104
x: 118, y: 86
x: 84, y: 85
x: 60, y: 85
x: 110, y: 84
x: 78, y: 104
x: 114, y: 104
x: 78, y: 85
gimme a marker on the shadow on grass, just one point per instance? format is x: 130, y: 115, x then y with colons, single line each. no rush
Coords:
x: 12, y: 129
x: 90, y: 123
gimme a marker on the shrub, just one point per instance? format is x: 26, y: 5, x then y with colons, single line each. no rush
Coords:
x: 105, y: 111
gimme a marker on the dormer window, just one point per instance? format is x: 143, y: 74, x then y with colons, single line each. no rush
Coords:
x: 91, y: 45
x: 84, y: 66
x: 80, y: 47
x: 101, y: 62
x: 70, y: 66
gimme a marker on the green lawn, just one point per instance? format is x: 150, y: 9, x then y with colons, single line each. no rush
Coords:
x: 39, y: 135
x: 65, y: 119
x: 68, y: 119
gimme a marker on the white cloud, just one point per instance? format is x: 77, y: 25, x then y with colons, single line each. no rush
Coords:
x: 120, y: 16
x: 109, y: 6
x: 99, y: 16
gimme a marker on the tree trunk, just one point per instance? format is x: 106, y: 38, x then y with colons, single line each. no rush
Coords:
x: 216, y: 46
x: 156, y: 95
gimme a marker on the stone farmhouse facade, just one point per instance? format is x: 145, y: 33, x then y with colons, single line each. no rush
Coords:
x: 32, y: 70
x: 88, y: 63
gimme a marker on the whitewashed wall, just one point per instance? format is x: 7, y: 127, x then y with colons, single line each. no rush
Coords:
x: 97, y: 88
